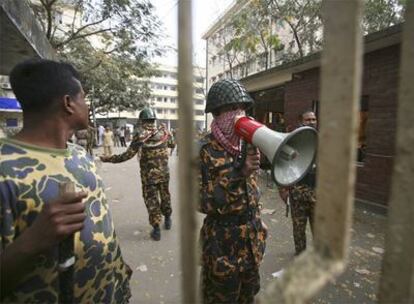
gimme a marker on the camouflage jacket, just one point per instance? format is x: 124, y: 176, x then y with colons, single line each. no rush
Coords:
x: 153, y: 144
x: 29, y: 179
x: 226, y: 196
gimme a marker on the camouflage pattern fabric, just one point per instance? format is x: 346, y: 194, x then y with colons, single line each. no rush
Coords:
x: 91, y: 139
x: 152, y: 195
x: 152, y: 146
x: 239, y: 287
x: 303, y: 202
x: 29, y: 179
x: 233, y: 236
x: 153, y: 157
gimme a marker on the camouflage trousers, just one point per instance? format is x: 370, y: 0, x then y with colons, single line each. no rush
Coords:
x: 157, y: 200
x: 303, y: 205
x: 238, y: 287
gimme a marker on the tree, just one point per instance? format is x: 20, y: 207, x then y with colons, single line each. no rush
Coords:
x: 380, y: 14
x: 303, y: 19
x: 111, y: 42
x: 253, y: 30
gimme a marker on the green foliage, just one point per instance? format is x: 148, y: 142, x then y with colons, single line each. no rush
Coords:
x: 380, y: 14
x: 256, y: 28
x: 110, y: 42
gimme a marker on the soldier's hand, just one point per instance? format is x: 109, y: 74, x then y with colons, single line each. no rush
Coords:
x: 104, y: 158
x: 57, y: 220
x: 252, y: 163
x: 284, y: 193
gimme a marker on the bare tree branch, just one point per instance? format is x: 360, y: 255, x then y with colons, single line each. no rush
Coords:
x: 73, y: 37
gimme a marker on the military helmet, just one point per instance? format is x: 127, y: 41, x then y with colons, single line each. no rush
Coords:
x: 225, y: 92
x: 147, y: 114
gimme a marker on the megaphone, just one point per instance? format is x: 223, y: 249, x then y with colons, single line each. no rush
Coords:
x: 290, y: 154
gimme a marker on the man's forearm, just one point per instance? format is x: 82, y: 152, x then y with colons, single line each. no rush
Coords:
x: 16, y: 261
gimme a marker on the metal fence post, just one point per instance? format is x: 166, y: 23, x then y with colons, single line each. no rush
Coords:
x: 340, y: 92
x: 188, y: 164
x: 397, y: 281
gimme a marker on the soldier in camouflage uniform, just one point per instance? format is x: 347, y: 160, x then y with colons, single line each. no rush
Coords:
x: 233, y: 235
x: 302, y: 195
x: 152, y: 143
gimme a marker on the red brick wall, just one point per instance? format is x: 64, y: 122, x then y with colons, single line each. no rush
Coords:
x: 380, y: 84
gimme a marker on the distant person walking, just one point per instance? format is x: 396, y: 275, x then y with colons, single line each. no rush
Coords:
x: 122, y: 137
x: 108, y: 141
x: 117, y: 135
x: 101, y: 131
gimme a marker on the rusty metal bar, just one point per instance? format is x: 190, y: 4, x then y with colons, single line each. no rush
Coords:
x: 341, y: 82
x: 340, y: 93
x: 397, y: 281
x: 188, y: 187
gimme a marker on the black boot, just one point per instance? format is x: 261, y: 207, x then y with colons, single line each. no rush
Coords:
x: 167, y: 222
x: 156, y: 233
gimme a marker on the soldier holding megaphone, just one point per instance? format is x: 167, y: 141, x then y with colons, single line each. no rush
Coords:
x: 233, y: 234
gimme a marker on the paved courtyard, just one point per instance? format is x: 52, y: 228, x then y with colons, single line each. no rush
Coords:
x: 156, y: 265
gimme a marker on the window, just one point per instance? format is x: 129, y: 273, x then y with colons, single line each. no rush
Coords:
x: 165, y: 99
x: 165, y: 87
x: 199, y: 112
x: 159, y: 99
x: 199, y: 91
x: 199, y: 101
x: 200, y: 79
x: 173, y: 100
x: 58, y: 17
x: 173, y: 111
x: 159, y: 111
x: 11, y: 122
x: 173, y: 88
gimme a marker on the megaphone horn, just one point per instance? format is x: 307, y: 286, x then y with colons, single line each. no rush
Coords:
x: 291, y: 154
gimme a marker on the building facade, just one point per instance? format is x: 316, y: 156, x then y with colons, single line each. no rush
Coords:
x: 164, y: 100
x: 222, y: 64
x: 288, y: 90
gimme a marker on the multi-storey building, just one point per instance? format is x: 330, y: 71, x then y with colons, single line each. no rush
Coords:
x: 164, y: 96
x: 164, y: 100
x: 222, y: 63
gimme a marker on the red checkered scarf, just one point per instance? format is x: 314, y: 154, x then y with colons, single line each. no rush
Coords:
x: 222, y: 128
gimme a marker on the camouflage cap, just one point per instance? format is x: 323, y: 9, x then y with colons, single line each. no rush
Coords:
x: 147, y: 114
x: 225, y: 92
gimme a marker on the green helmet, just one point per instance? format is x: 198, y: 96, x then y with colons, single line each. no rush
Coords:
x: 225, y: 92
x: 147, y: 114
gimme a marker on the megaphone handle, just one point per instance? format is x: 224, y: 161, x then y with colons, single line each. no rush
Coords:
x: 241, y: 159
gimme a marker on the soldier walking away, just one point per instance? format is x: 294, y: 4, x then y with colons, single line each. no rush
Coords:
x: 153, y: 142
x: 233, y: 236
x: 302, y: 195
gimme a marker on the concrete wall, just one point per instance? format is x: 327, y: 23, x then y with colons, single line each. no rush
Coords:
x: 380, y: 84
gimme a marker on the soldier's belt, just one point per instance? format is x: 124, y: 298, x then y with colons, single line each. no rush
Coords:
x: 160, y: 146
x: 234, y: 219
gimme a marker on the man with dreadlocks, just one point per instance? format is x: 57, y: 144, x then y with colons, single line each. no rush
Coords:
x: 153, y: 143
x: 233, y: 234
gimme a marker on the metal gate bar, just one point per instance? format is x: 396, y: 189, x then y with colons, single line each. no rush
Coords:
x: 340, y: 91
x: 397, y: 281
x: 188, y: 165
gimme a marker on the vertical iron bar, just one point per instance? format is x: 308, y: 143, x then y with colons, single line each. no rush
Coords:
x: 340, y: 94
x: 397, y: 282
x: 340, y: 91
x: 188, y: 186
